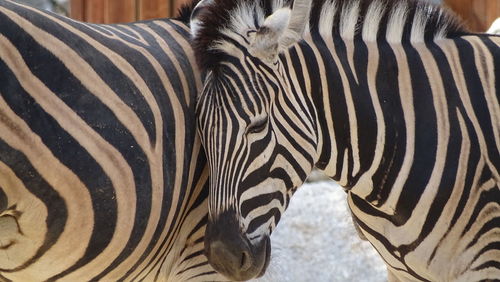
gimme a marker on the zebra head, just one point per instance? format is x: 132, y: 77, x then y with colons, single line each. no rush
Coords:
x: 259, y: 136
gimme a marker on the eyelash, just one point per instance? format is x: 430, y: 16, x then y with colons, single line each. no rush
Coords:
x: 257, y: 127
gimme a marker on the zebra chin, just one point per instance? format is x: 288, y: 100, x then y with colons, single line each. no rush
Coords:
x: 231, y: 253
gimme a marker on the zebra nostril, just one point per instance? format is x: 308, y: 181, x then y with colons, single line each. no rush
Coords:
x: 246, y: 262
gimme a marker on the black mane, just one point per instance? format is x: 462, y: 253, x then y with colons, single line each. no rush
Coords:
x: 217, y: 17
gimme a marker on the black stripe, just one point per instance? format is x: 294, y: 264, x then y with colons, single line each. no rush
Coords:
x: 394, y: 150
x: 129, y: 35
x: 312, y: 65
x: 169, y: 153
x: 197, y: 276
x: 295, y: 64
x: 365, y: 111
x: 488, y: 226
x: 475, y: 86
x: 105, y: 68
x: 4, y: 279
x: 260, y: 200
x: 235, y: 92
x: 295, y: 123
x: 337, y: 102
x: 425, y: 138
x: 112, y: 131
x: 72, y: 155
x: 486, y: 197
x: 489, y: 264
x: 4, y: 200
x: 261, y: 219
x: 57, y: 213
x: 50, y: 70
x: 358, y: 202
x: 182, y: 57
x: 493, y: 246
x: 449, y: 174
x: 193, y: 267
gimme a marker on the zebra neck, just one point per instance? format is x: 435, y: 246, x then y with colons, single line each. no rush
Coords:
x: 339, y: 76
x: 338, y: 62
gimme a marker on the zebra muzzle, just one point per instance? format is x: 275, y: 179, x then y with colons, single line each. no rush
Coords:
x: 231, y: 253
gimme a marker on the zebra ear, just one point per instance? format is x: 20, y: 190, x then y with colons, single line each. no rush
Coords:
x: 197, y: 11
x: 299, y: 20
x: 267, y: 39
x: 282, y: 29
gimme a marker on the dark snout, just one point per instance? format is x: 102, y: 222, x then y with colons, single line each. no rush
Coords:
x: 231, y: 253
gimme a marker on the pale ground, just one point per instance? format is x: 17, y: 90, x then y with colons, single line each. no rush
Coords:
x: 316, y: 241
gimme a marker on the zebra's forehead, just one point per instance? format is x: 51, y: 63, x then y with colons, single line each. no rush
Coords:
x: 238, y: 88
x: 222, y: 99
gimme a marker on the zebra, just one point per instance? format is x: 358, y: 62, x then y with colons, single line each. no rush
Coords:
x: 102, y: 175
x: 394, y: 100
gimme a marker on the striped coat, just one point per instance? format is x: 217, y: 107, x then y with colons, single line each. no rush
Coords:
x: 101, y: 176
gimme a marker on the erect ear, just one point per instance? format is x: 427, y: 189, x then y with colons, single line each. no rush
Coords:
x: 281, y: 30
x: 299, y: 20
x: 267, y: 38
x: 196, y: 13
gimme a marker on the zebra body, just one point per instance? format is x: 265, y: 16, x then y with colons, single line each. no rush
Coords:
x: 101, y: 175
x: 393, y: 100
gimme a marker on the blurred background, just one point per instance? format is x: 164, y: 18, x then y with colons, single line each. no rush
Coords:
x: 478, y: 14
x: 315, y: 240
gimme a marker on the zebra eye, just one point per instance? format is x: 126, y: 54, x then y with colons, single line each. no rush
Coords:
x: 257, y: 126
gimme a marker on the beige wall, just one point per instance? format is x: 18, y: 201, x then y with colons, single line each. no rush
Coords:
x: 477, y: 14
